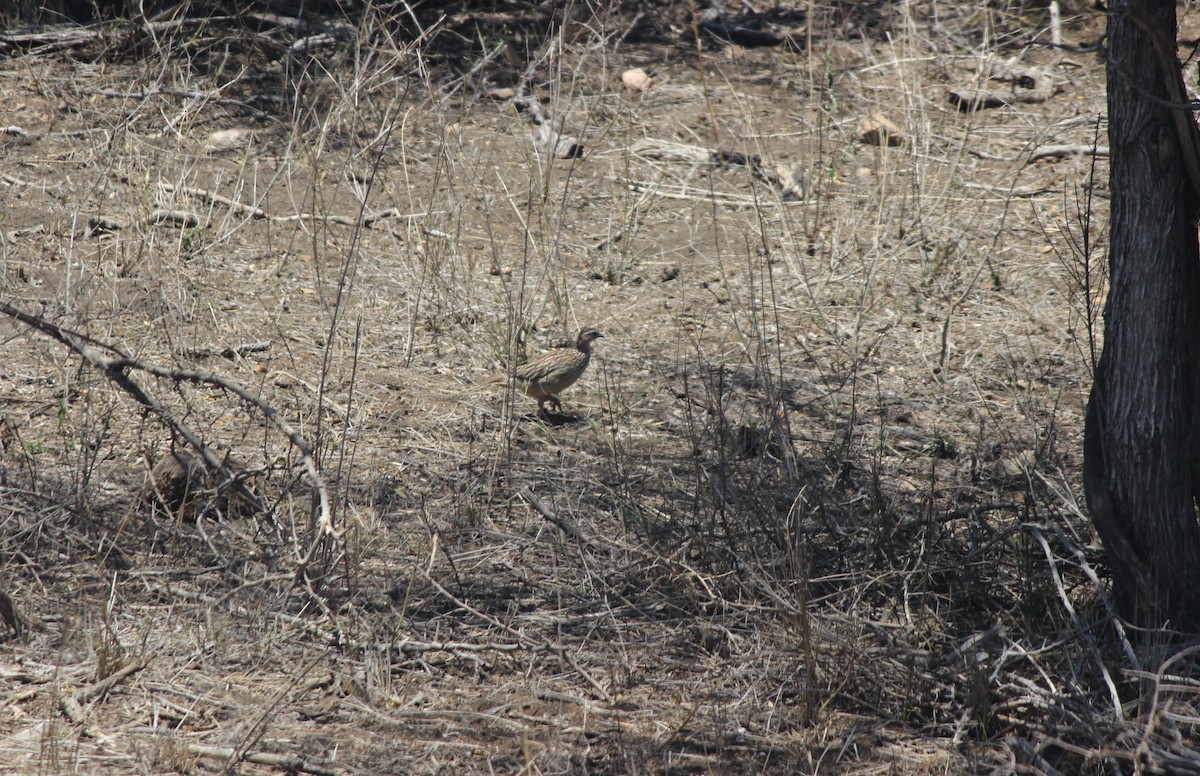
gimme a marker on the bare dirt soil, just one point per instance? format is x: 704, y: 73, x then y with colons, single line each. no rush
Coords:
x: 815, y: 506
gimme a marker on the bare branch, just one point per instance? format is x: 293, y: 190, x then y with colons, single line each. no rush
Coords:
x: 117, y: 370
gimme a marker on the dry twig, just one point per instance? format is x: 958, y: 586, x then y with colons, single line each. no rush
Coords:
x: 286, y: 762
x: 117, y: 370
x: 72, y: 705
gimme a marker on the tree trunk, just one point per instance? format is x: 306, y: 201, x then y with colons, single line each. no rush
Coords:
x: 1142, y: 435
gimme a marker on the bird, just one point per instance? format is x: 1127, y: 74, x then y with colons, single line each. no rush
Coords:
x: 176, y: 482
x: 552, y: 372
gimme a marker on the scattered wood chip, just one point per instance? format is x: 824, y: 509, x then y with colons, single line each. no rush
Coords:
x: 968, y: 100
x: 879, y: 130
x: 107, y: 224
x: 231, y: 352
x: 72, y: 705
x: 749, y: 29
x: 790, y: 182
x: 547, y: 137
x: 104, y: 225
x: 562, y: 146
x: 1061, y: 151
x: 787, y: 180
x: 177, y: 217
x: 285, y: 762
x: 332, y: 35
x: 1028, y: 84
x: 1006, y: 84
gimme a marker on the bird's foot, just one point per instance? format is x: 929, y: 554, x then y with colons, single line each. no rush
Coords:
x: 554, y: 417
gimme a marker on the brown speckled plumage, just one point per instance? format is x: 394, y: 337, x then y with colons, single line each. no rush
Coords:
x: 545, y: 376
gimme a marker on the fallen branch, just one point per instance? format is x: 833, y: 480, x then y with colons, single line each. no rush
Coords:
x: 117, y: 370
x: 231, y: 352
x: 530, y: 642
x: 259, y: 213
x: 568, y: 526
x: 97, y: 224
x: 72, y: 705
x: 1069, y: 608
x: 66, y: 35
x: 787, y: 182
x: 548, y: 137
x: 287, y: 762
x: 89, y: 694
x: 58, y: 36
x: 32, y: 136
x: 1061, y: 151
x: 405, y: 646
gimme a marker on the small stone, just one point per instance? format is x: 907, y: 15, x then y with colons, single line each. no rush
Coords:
x: 229, y: 139
x: 636, y: 79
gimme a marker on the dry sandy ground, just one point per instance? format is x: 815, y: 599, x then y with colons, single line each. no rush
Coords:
x: 815, y: 507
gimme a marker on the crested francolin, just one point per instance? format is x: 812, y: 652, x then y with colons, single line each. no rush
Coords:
x: 554, y: 371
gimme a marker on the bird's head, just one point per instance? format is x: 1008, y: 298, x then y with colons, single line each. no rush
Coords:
x: 586, y: 337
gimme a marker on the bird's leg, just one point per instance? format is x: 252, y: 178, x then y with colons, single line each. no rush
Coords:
x: 557, y: 404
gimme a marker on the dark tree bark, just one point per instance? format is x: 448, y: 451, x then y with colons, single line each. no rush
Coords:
x: 1142, y: 434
